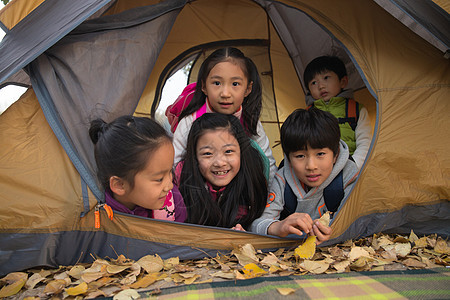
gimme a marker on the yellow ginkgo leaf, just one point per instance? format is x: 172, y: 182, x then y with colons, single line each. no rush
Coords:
x: 285, y: 291
x: 307, y: 249
x: 145, y: 281
x: 77, y: 290
x: 16, y: 281
x: 251, y: 270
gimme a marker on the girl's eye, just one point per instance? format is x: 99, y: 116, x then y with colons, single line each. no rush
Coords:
x: 326, y: 77
x: 216, y: 83
x: 313, y: 83
x: 235, y: 83
x: 206, y: 153
x: 321, y: 154
x: 299, y: 156
x: 229, y: 151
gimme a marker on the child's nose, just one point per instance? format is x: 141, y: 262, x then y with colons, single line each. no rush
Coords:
x: 219, y: 161
x: 225, y: 93
x: 169, y: 183
x: 311, y: 164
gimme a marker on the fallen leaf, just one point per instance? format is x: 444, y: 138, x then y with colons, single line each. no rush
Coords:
x: 270, y: 260
x: 307, y: 249
x: 245, y: 254
x: 114, y: 269
x: 357, y: 252
x: 413, y: 263
x: 145, y: 281
x: 33, y: 280
x: 251, y: 270
x: 127, y: 295
x: 91, y: 276
x: 363, y: 263
x: 77, y: 290
x: 191, y: 279
x: 76, y: 271
x: 171, y: 262
x: 151, y: 263
x: 421, y: 243
x: 285, y: 291
x: 55, y: 287
x: 325, y: 219
x: 413, y: 237
x: 225, y: 275
x: 441, y: 247
x: 16, y: 281
x: 401, y: 249
x: 315, y: 267
x: 341, y: 266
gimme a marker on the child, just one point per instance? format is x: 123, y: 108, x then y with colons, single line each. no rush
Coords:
x: 326, y: 79
x: 134, y: 164
x: 228, y: 83
x: 222, y: 178
x: 314, y: 157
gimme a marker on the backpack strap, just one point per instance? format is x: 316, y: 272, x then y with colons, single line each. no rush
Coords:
x: 290, y: 202
x: 351, y: 113
x: 332, y: 194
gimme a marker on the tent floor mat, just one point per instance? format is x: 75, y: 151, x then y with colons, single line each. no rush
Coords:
x: 406, y: 284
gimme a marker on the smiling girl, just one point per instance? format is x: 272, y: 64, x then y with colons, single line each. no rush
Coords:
x: 134, y: 159
x: 222, y: 179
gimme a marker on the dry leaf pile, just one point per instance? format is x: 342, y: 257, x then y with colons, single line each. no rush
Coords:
x: 123, y: 278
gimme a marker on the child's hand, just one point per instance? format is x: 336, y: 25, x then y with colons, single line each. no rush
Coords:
x: 297, y: 223
x: 238, y: 227
x: 321, y: 231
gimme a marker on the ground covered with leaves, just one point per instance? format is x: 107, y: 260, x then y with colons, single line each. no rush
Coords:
x: 123, y: 278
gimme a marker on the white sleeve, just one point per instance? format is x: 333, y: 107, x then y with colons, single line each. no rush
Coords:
x: 180, y: 137
x: 263, y: 141
x: 363, y: 135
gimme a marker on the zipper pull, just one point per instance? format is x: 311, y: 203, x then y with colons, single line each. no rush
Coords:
x: 97, y: 216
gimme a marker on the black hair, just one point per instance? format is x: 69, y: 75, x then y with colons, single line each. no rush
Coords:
x: 248, y: 188
x: 123, y: 146
x: 322, y: 64
x: 252, y: 104
x: 312, y: 128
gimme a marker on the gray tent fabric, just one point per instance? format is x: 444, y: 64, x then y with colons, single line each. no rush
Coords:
x: 41, y: 29
x: 423, y: 17
x: 299, y: 43
x: 60, y: 75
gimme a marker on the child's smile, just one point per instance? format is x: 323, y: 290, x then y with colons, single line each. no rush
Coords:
x: 219, y: 158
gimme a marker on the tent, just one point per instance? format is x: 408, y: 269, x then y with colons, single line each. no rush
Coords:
x: 101, y: 58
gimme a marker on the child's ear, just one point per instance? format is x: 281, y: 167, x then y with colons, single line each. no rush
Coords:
x: 204, y: 89
x: 344, y: 82
x: 249, y: 89
x: 117, y: 185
